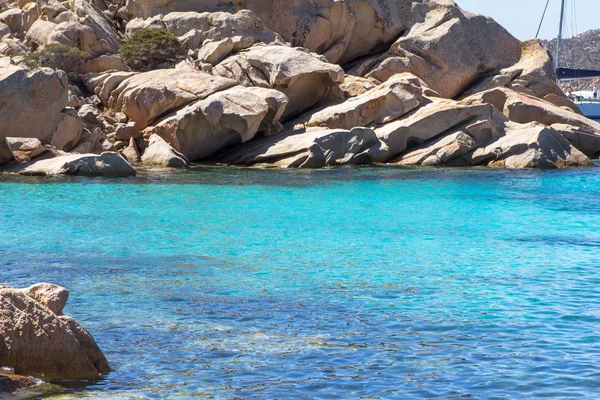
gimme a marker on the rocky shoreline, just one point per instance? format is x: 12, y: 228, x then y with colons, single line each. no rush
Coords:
x: 359, y: 82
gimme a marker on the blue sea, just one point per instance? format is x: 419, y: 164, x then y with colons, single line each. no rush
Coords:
x: 349, y: 283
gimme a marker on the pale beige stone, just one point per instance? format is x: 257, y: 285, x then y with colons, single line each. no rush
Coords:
x: 52, y: 296
x: 160, y: 153
x: 223, y: 119
x: 24, y: 149
x: 302, y: 76
x: 110, y: 164
x: 531, y: 145
x: 31, y: 99
x: 396, y: 97
x: 314, y: 148
x: 146, y: 96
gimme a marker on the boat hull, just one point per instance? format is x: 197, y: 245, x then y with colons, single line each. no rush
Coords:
x: 589, y: 108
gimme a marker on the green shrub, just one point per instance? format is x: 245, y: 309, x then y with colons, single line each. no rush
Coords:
x: 151, y: 48
x: 58, y: 56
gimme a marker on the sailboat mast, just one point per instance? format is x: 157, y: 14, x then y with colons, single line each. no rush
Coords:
x: 560, y: 31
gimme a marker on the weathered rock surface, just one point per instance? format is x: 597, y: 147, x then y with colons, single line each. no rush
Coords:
x: 449, y: 50
x: 146, y: 96
x: 73, y: 34
x: 301, y: 76
x: 108, y: 164
x: 311, y: 149
x: 99, y: 22
x: 531, y: 146
x: 103, y: 84
x: 36, y: 341
x: 51, y: 296
x: 31, y: 102
x: 162, y: 154
x: 68, y: 131
x: 396, y: 97
x: 523, y: 108
x: 223, y: 119
x: 440, y: 151
x: 441, y: 116
x: 533, y: 74
x: 24, y: 149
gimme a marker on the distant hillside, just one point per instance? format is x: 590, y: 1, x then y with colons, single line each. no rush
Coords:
x: 582, y: 51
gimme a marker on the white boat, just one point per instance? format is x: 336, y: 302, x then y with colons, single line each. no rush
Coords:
x: 589, y: 106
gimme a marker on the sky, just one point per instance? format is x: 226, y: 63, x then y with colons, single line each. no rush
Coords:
x: 522, y: 17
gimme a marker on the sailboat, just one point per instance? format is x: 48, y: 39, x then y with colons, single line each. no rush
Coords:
x: 589, y: 106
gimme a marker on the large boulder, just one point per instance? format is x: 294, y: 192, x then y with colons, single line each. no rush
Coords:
x: 391, y: 100
x: 533, y: 73
x: 160, y: 153
x: 449, y: 50
x: 37, y: 341
x: 226, y: 118
x: 530, y: 145
x: 108, y: 164
x: 302, y: 76
x: 311, y: 149
x: 31, y: 99
x: 24, y: 149
x: 147, y: 96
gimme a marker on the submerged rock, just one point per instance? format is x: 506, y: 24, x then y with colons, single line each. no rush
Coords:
x: 36, y: 341
x: 10, y: 383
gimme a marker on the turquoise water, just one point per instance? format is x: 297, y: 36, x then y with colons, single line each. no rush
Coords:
x: 344, y: 283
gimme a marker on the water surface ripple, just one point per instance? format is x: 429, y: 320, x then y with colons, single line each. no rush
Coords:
x: 347, y: 283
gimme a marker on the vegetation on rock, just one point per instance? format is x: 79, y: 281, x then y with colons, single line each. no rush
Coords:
x: 151, y: 48
x: 58, y: 56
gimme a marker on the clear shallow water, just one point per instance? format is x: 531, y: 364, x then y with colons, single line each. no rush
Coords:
x: 345, y: 283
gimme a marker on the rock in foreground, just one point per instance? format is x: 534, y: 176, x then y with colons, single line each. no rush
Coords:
x: 36, y: 341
